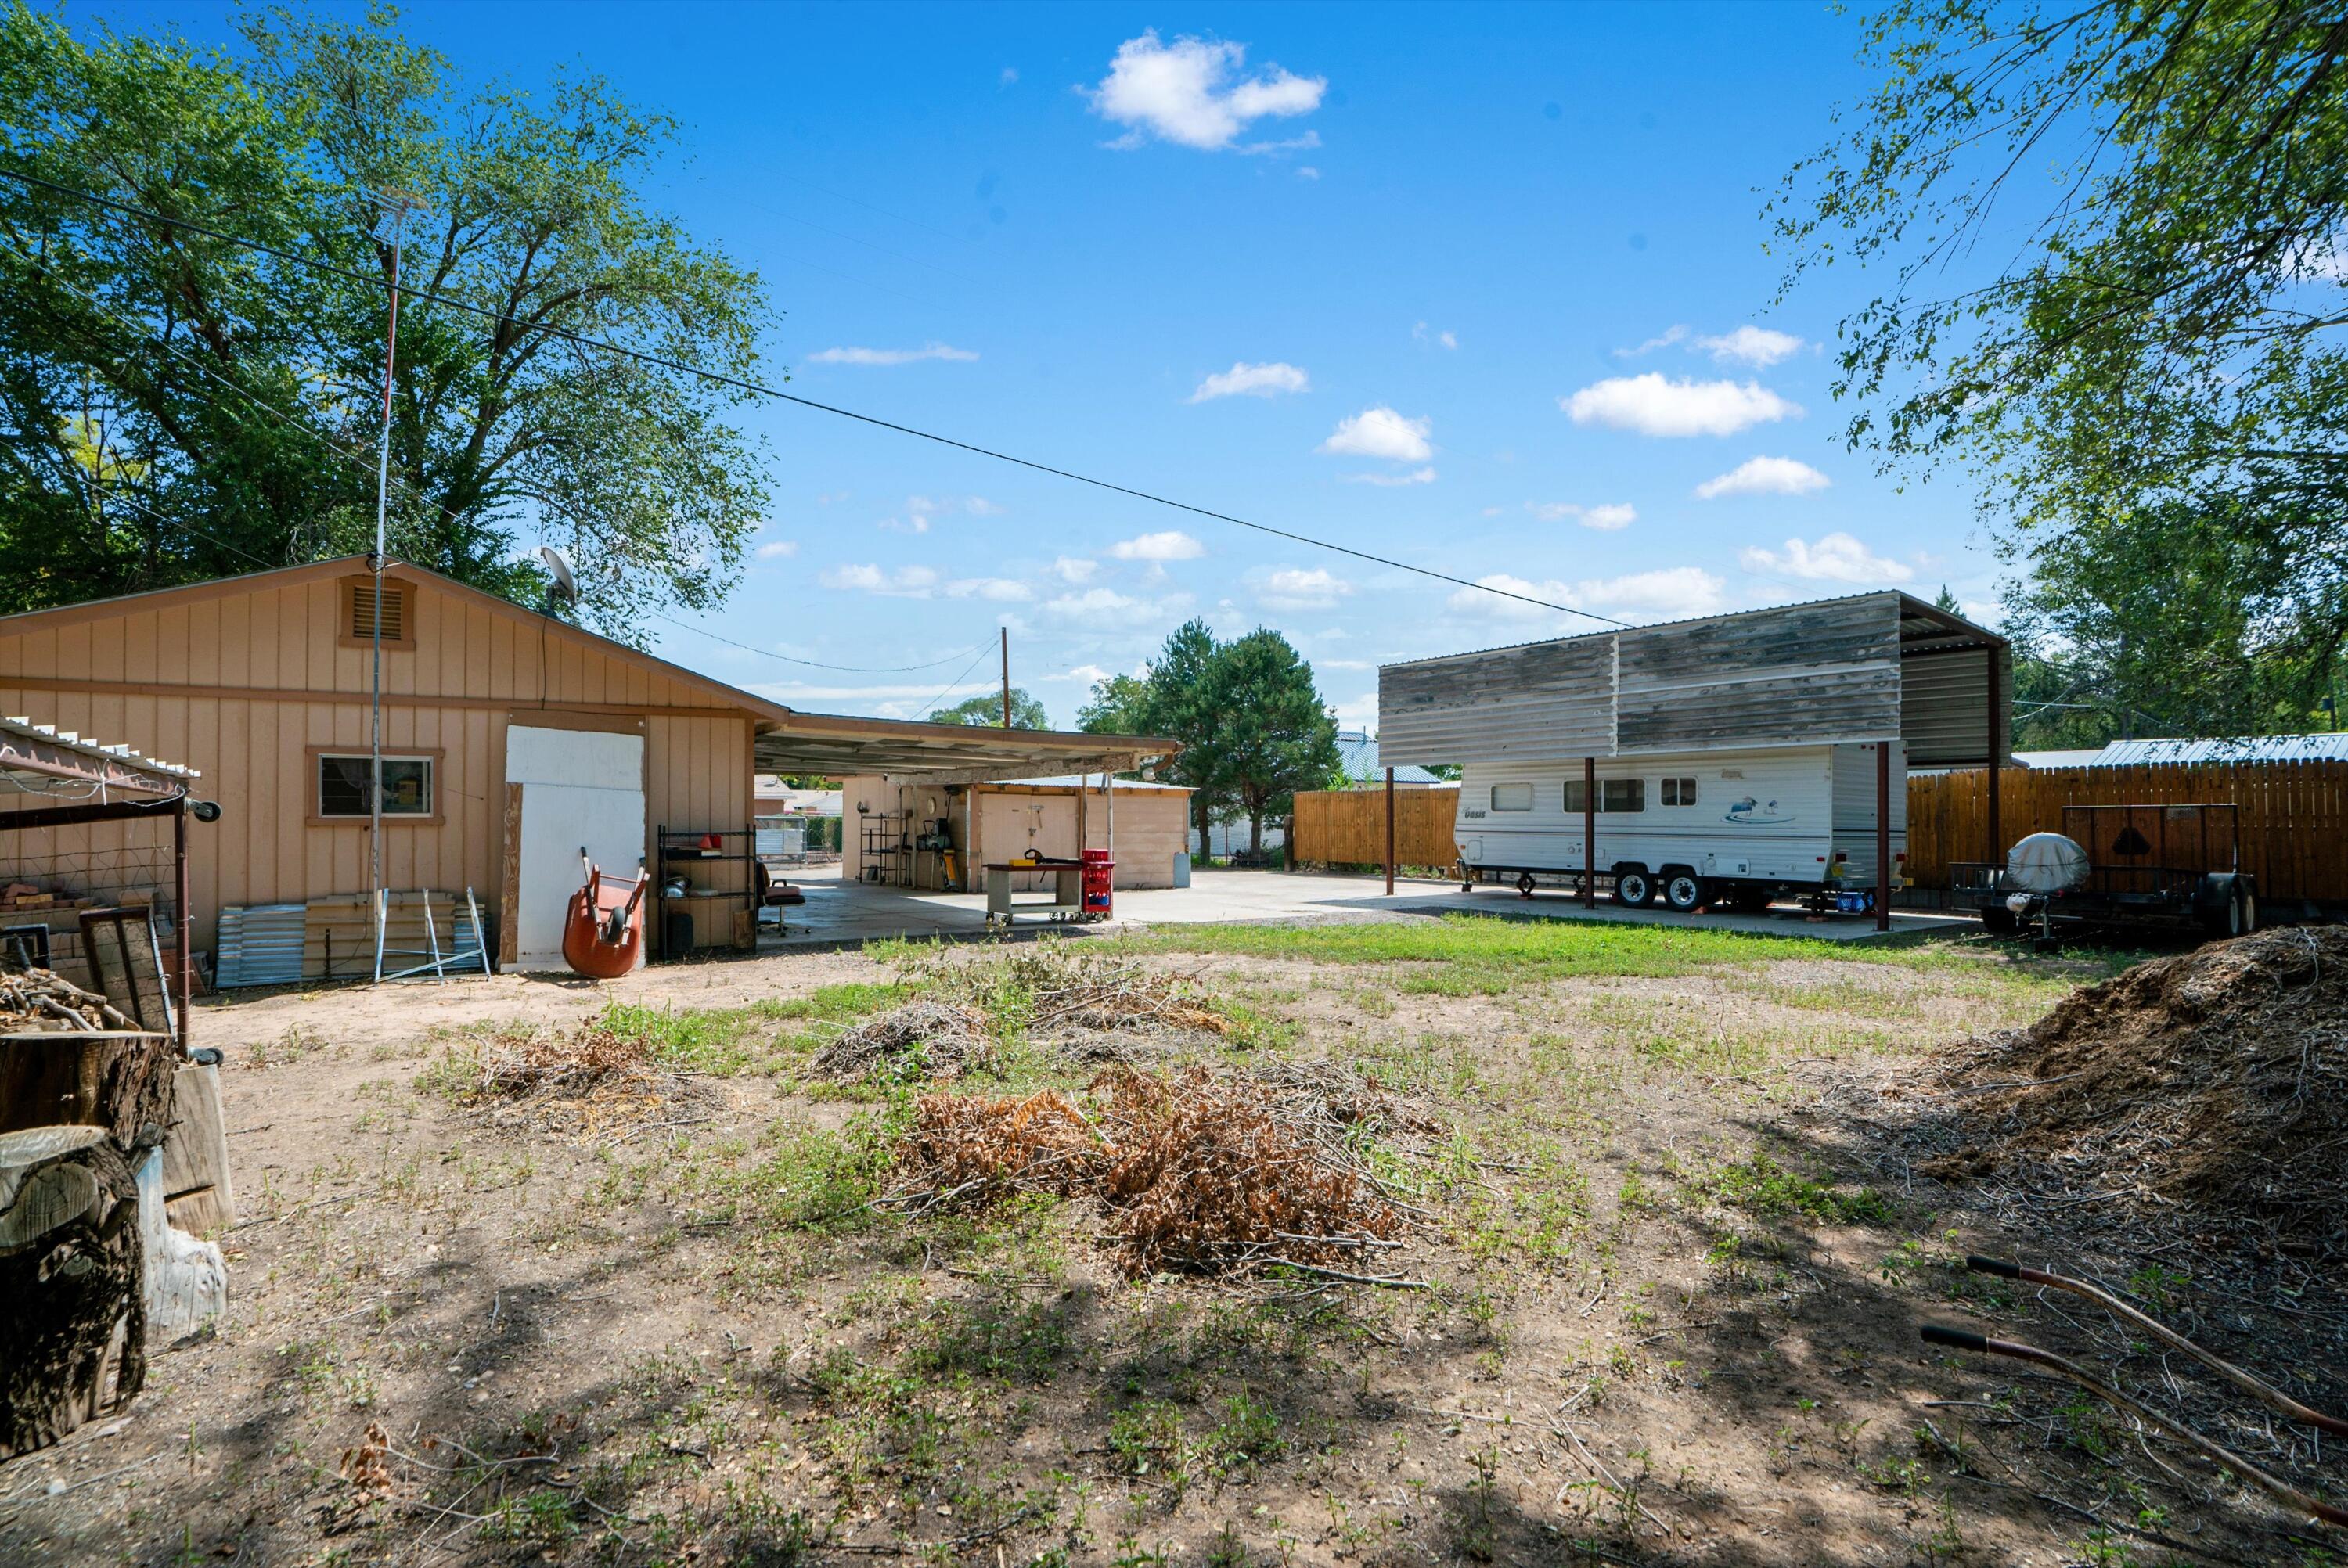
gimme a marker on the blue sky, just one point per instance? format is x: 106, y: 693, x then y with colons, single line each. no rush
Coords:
x: 1484, y: 287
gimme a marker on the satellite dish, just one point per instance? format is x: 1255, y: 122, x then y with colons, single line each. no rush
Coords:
x: 565, y: 587
x: 2045, y: 863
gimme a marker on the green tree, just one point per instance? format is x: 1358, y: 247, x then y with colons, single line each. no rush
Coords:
x: 1118, y: 706
x: 1272, y: 735
x: 2146, y: 361
x: 240, y: 394
x: 985, y: 710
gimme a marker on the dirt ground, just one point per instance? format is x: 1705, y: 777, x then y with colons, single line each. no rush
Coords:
x: 1658, y: 1304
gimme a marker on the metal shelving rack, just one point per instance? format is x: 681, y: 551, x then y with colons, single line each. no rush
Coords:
x: 682, y: 847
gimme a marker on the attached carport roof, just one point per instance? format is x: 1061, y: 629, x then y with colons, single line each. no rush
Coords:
x: 837, y: 745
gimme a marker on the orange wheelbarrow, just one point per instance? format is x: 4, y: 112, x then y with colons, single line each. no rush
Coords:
x: 604, y: 930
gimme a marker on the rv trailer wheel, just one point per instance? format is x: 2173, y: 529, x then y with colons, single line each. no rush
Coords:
x: 1525, y: 883
x: 1683, y: 892
x: 1633, y: 889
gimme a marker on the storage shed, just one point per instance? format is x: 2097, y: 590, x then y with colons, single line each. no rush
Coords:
x: 1567, y: 731
x: 903, y: 833
x: 510, y: 739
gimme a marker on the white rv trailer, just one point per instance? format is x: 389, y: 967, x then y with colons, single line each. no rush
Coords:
x: 1735, y: 757
x: 1689, y: 827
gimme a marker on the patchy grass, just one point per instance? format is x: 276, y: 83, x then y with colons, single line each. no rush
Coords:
x: 1470, y: 954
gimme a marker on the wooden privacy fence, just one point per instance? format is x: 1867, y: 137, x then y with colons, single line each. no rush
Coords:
x: 2292, y: 816
x: 1348, y: 827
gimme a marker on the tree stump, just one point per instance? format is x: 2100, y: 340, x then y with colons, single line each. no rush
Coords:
x: 73, y: 1312
x: 114, y: 1079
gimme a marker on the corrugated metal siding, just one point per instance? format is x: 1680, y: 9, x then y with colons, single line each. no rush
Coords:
x: 1808, y: 674
x: 1944, y: 705
x: 1541, y: 699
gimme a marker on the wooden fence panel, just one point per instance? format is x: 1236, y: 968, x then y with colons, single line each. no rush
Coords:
x: 1348, y: 827
x: 2292, y: 816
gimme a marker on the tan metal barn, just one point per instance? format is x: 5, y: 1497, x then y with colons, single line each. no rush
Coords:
x: 885, y: 823
x: 510, y: 740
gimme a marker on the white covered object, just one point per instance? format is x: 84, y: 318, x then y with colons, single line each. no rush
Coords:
x: 186, y: 1279
x: 2045, y: 863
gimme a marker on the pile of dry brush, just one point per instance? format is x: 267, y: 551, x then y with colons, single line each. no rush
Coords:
x: 1196, y: 1171
x: 2208, y: 1085
x: 1055, y: 990
x: 594, y: 1083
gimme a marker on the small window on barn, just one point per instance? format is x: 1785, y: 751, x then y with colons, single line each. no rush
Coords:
x: 1623, y: 795
x: 360, y: 614
x: 1679, y: 792
x: 1577, y: 797
x: 407, y: 786
x: 1512, y: 797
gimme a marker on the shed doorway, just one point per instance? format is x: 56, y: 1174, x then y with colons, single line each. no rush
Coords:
x: 579, y: 788
x: 1009, y: 826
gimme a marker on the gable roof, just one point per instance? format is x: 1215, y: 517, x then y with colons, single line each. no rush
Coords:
x: 337, y: 567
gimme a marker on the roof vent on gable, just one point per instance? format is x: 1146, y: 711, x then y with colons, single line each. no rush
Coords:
x: 359, y: 601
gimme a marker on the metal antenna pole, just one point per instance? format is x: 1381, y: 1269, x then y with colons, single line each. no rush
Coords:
x: 375, y: 567
x: 1006, y: 677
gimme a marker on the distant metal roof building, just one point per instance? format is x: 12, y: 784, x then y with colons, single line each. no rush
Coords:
x: 1357, y: 752
x: 2331, y: 747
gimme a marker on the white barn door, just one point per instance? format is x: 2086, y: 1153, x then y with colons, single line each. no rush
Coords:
x: 579, y: 787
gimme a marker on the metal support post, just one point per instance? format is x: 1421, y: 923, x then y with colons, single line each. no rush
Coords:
x: 1590, y: 832
x: 1390, y: 833
x: 182, y: 971
x: 1883, y: 836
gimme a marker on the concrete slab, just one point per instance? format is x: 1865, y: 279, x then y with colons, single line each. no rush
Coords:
x: 841, y: 913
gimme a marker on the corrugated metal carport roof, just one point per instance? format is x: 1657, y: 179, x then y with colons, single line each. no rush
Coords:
x: 838, y: 744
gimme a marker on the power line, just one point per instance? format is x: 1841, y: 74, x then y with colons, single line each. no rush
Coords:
x: 817, y: 663
x: 929, y: 706
x: 761, y: 389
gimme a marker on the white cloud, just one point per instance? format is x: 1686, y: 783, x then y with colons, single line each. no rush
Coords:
x: 980, y: 506
x: 780, y: 549
x: 1245, y: 380
x: 890, y: 355
x: 1836, y: 557
x: 1009, y: 76
x: 905, y: 582
x: 1764, y: 477
x: 1653, y: 406
x: 1185, y: 92
x: 1095, y: 607
x: 1298, y: 588
x: 1380, y: 432
x: 1343, y: 664
x: 1075, y: 569
x: 1663, y: 339
x: 1001, y: 590
x: 1420, y: 334
x: 1172, y: 545
x: 1085, y: 674
x: 1757, y: 347
x: 1306, y: 171
x: 1610, y: 517
x: 1415, y: 477
x: 1665, y: 594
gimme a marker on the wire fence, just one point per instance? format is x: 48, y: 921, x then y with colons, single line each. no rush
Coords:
x: 95, y: 903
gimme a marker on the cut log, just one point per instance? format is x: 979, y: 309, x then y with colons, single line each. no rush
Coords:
x: 186, y: 1280
x: 195, y: 1154
x: 115, y: 1079
x: 72, y: 1287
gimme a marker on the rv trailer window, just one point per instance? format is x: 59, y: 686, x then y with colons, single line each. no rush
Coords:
x: 1679, y: 792
x: 1622, y: 794
x: 1512, y: 797
x: 1577, y: 797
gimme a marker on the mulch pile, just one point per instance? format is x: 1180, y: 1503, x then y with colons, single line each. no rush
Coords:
x: 1196, y: 1171
x: 2214, y: 1084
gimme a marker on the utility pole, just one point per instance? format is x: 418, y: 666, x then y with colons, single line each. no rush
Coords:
x: 1006, y: 677
x: 399, y: 203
